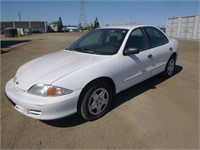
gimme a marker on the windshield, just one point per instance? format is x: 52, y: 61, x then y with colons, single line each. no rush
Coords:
x: 100, y: 41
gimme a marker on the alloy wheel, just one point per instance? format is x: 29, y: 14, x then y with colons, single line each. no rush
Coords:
x: 98, y: 101
x: 170, y: 67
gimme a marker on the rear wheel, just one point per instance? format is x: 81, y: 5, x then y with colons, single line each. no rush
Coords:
x: 95, y: 101
x: 169, y: 70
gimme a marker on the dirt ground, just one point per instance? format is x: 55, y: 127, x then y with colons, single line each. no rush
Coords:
x: 157, y: 113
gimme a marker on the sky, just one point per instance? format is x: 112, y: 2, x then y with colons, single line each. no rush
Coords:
x: 108, y: 12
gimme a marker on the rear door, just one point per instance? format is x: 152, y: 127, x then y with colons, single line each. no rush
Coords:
x: 161, y: 49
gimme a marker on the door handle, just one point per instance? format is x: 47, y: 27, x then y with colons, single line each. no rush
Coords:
x: 150, y: 56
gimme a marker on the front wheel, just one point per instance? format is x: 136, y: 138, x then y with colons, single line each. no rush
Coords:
x: 96, y: 100
x: 169, y: 70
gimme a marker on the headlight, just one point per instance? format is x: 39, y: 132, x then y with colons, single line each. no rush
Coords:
x: 48, y: 90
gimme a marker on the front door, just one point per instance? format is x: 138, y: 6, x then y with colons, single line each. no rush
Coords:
x: 136, y: 67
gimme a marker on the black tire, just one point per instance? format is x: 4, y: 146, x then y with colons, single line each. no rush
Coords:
x: 95, y: 100
x: 170, y: 67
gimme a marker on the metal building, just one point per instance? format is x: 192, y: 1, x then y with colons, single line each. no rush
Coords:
x: 35, y: 26
x: 187, y: 27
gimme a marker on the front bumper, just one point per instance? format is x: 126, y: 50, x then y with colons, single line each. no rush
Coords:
x: 43, y: 108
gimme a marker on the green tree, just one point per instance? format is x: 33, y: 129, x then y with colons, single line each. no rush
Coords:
x: 96, y: 23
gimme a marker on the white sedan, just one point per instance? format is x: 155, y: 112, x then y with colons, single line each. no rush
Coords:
x: 85, y: 77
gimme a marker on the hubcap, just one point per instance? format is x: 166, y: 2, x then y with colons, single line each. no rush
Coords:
x: 170, y: 68
x: 98, y: 101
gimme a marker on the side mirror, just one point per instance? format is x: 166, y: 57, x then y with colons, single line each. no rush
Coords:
x: 130, y: 51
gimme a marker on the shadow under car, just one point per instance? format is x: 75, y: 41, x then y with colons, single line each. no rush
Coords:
x: 120, y: 98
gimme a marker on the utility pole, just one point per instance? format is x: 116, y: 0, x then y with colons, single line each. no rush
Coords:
x: 82, y: 17
x: 19, y: 16
x: 131, y: 18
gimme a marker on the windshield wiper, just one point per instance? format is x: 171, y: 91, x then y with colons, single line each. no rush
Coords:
x: 81, y: 49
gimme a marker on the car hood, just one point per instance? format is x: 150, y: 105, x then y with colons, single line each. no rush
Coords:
x: 51, y: 67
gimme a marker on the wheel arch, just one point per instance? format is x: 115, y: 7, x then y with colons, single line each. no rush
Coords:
x: 174, y: 55
x: 105, y: 79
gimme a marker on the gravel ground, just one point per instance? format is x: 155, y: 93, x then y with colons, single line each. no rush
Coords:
x: 157, y: 113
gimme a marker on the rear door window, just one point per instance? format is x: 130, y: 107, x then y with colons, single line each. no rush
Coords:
x: 157, y: 37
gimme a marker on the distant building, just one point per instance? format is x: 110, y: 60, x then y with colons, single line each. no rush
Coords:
x: 187, y: 27
x: 34, y: 26
x: 70, y: 28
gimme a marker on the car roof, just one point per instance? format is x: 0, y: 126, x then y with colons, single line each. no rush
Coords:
x: 132, y: 26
